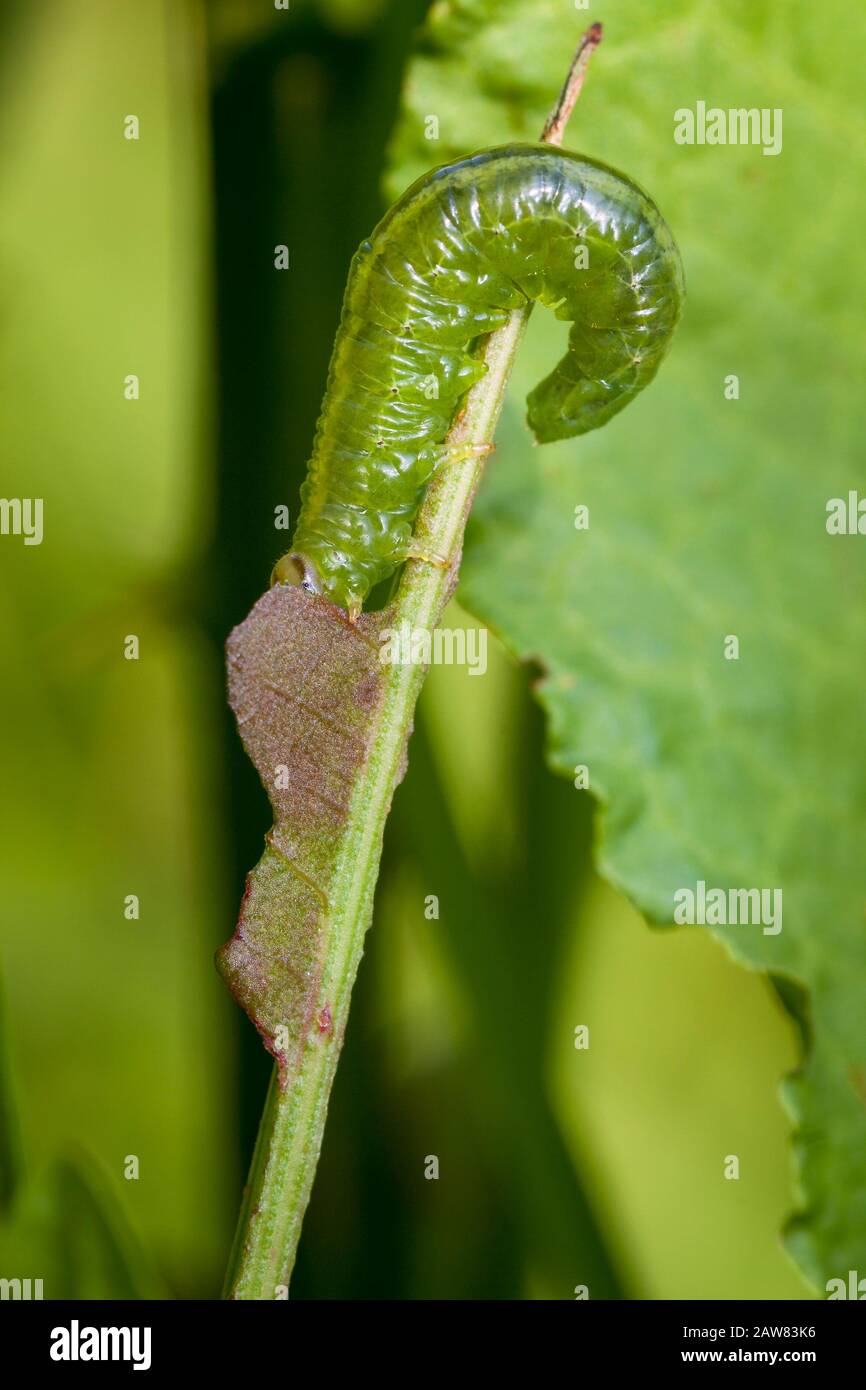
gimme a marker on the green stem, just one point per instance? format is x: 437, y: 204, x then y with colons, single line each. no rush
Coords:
x: 290, y: 1136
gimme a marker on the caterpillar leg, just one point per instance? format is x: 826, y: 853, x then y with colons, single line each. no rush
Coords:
x: 414, y: 550
x: 459, y: 453
x: 446, y: 454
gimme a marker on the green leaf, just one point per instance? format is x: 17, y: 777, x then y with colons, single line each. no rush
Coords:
x: 707, y: 515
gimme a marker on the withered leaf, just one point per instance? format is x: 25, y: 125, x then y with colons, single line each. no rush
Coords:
x: 306, y: 687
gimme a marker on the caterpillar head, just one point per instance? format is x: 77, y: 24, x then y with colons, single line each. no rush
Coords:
x: 296, y: 568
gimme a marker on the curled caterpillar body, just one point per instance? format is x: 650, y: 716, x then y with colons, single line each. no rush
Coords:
x: 466, y: 245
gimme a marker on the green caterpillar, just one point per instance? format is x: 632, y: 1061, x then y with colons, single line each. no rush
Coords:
x: 466, y: 245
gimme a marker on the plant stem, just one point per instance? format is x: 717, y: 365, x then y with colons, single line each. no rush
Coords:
x: 290, y: 1136
x: 554, y: 130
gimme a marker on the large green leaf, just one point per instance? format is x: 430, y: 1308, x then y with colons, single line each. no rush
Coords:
x: 707, y: 514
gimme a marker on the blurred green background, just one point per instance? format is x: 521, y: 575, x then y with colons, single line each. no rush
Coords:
x: 155, y: 257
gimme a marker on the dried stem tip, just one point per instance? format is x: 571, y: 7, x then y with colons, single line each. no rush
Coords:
x: 554, y: 129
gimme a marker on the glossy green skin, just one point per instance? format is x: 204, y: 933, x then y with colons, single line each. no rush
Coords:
x: 466, y: 245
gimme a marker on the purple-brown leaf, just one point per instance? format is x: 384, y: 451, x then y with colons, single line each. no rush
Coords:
x: 305, y: 686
